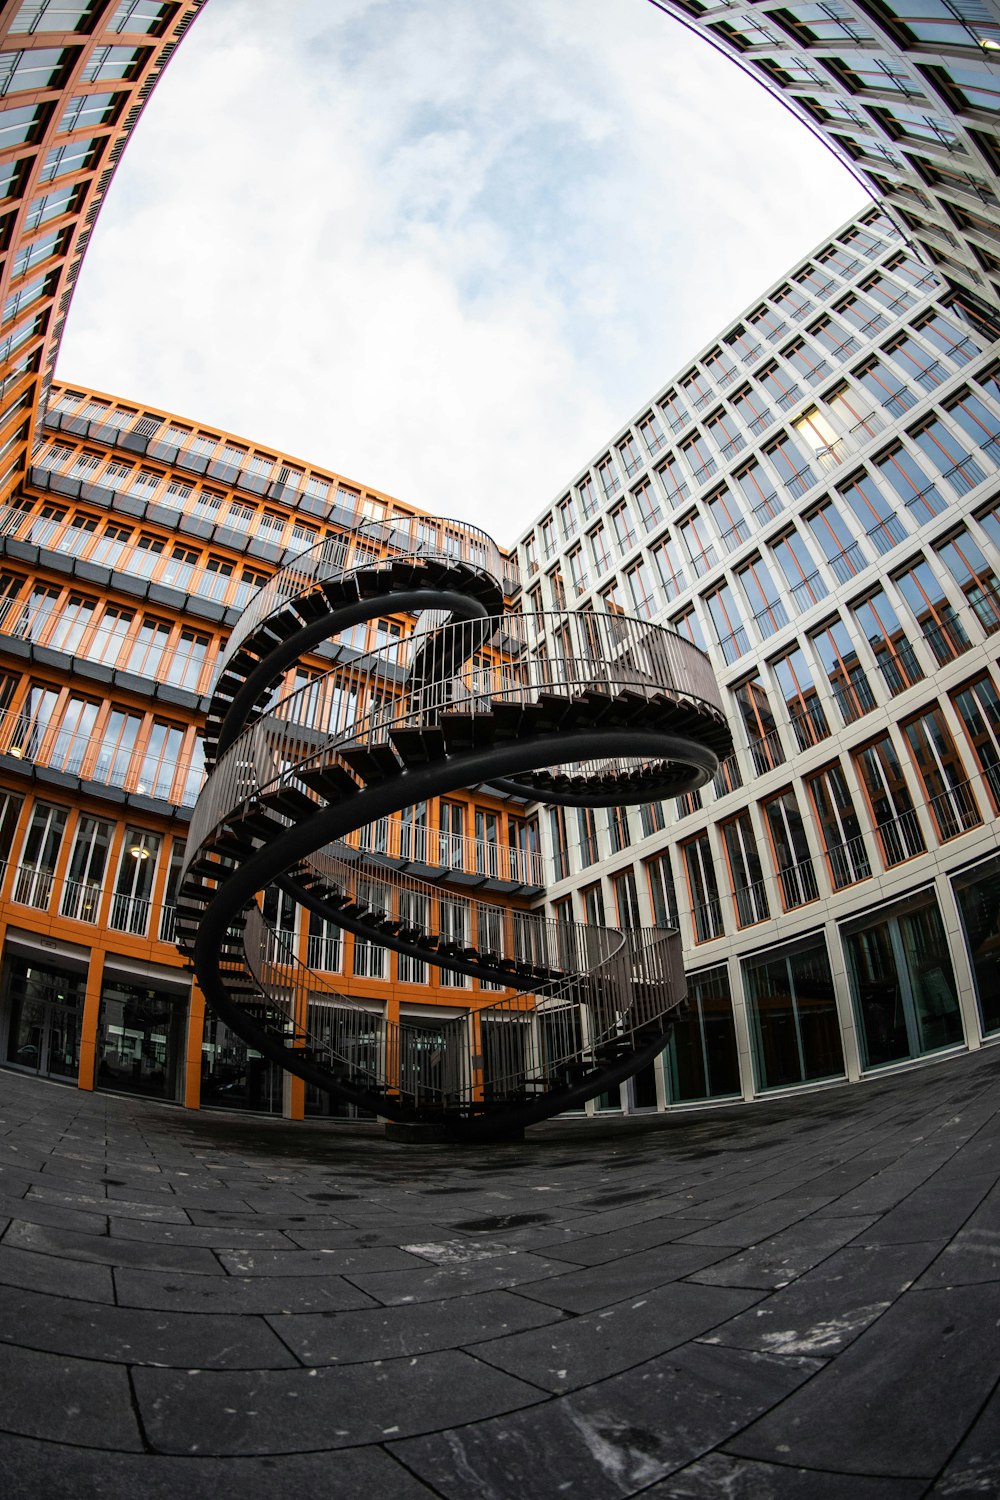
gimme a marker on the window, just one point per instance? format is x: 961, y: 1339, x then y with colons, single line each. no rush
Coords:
x: 794, y: 472
x: 880, y: 625
x: 36, y: 612
x: 110, y: 547
x: 729, y: 628
x: 979, y: 708
x: 791, y: 851
x: 640, y: 582
x: 902, y: 982
x: 588, y: 496
x: 887, y: 388
x: 933, y: 611
x: 187, y: 660
x: 794, y: 1030
x: 669, y: 568
x: 160, y: 761
x: 905, y: 476
x: 939, y: 331
x: 703, y: 890
x: 587, y: 829
x: 759, y: 490
x: 947, y: 787
x: 610, y: 483
x: 39, y: 856
x: 762, y: 733
x: 846, y: 857
x: 114, y: 750
x: 652, y: 433
x: 696, y: 453
x: 37, y: 68
x: 626, y: 901
x: 663, y: 898
x: 557, y: 836
x: 729, y: 520
x: 847, y: 679
x: 701, y: 1059
x: 726, y: 434
x: 836, y: 541
x: 675, y: 412
x: 761, y: 594
x: 978, y: 423
x: 977, y: 892
x: 965, y: 562
x: 802, y: 702
x: 949, y: 456
x: 806, y: 363
x: 132, y: 899
x: 618, y: 829
x: 148, y: 647
x: 624, y: 529
x: 671, y: 476
x: 83, y: 886
x: 698, y: 545
x: 875, y: 514
x: 920, y: 366
x: 890, y: 802
x: 647, y: 505
x: 72, y: 622
x: 599, y: 549
x: 745, y: 871
x: 629, y: 455
x: 799, y: 570
x: 752, y: 410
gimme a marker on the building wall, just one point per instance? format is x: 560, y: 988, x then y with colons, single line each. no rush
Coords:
x: 127, y: 556
x: 814, y: 500
x: 907, y: 95
x: 134, y: 538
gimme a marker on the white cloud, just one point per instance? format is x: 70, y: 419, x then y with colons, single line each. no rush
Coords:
x: 441, y: 247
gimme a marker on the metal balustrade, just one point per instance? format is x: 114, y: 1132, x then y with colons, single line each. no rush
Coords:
x: 635, y: 712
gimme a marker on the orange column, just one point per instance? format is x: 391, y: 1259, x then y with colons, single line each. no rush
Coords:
x: 87, y: 1074
x: 195, y: 1034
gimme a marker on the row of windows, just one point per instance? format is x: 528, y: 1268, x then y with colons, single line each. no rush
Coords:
x: 695, y: 390
x: 866, y: 813
x: 45, y: 724
x: 871, y: 498
x: 798, y: 1015
x: 89, y: 869
x: 823, y: 439
x: 220, y: 458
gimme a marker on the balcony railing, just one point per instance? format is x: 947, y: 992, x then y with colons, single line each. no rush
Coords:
x: 900, y: 838
x: 708, y: 920
x: 798, y: 884
x: 751, y: 903
x: 810, y: 727
x: 33, y: 886
x: 130, y: 914
x: 81, y: 900
x: 766, y: 752
x: 416, y: 844
x: 955, y: 810
x: 849, y: 862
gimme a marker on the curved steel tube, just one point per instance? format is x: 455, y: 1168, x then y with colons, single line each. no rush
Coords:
x: 581, y: 709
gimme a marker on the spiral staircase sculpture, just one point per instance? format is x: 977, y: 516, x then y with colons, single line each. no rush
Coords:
x: 574, y: 708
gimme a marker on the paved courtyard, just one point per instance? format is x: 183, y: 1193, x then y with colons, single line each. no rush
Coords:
x: 800, y: 1299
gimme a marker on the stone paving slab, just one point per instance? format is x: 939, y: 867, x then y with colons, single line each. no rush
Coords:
x: 799, y: 1300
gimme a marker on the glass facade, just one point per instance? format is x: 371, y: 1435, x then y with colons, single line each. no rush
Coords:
x: 902, y: 982
x: 794, y: 1027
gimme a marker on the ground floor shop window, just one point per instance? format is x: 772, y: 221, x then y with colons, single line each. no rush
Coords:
x: 234, y: 1076
x: 140, y: 1039
x: 44, y: 1006
x: 902, y: 982
x: 794, y: 1029
x: 978, y: 894
x: 701, y: 1061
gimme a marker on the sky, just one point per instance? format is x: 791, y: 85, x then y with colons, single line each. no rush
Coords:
x: 442, y: 247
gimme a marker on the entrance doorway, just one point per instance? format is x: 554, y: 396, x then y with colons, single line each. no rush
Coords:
x: 45, y: 1005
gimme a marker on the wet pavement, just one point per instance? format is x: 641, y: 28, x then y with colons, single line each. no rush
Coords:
x: 796, y: 1299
